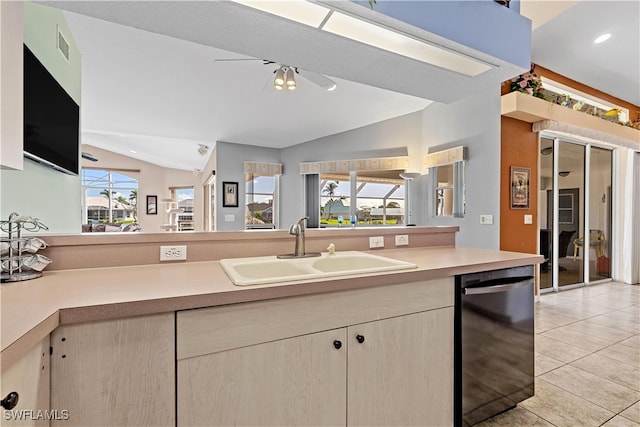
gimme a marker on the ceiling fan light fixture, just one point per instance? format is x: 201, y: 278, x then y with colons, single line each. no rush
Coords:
x: 279, y: 79
x: 290, y: 77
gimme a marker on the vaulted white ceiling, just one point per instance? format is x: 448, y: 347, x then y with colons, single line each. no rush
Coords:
x: 162, y: 97
x: 563, y: 41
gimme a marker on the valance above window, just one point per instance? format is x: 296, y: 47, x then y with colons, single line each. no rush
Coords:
x: 338, y: 166
x: 591, y: 134
x: 261, y: 168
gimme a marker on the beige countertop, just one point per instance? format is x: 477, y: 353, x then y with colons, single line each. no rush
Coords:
x: 30, y: 310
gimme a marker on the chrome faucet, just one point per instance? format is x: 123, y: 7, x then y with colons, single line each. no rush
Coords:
x: 298, y: 231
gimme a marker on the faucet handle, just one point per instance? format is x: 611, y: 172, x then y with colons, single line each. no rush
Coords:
x: 294, y: 229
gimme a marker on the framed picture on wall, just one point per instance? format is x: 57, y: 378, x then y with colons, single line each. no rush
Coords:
x: 152, y: 205
x: 230, y: 194
x: 520, y: 187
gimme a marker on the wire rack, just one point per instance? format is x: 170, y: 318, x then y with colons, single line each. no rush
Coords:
x: 19, y: 260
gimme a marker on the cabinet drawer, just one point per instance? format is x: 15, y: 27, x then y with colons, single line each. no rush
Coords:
x: 214, y: 329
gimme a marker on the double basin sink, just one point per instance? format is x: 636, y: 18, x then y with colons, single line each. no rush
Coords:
x: 270, y: 269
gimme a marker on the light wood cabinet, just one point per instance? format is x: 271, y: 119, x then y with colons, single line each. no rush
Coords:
x: 401, y: 371
x: 115, y: 372
x: 297, y: 381
x: 299, y: 361
x: 29, y: 377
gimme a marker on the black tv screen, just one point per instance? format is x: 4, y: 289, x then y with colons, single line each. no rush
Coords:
x: 51, y: 119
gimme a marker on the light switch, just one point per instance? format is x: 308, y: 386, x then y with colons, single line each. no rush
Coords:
x: 229, y: 218
x: 486, y: 219
x: 528, y: 219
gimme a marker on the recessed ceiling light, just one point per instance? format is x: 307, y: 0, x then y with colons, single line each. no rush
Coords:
x: 133, y: 151
x: 602, y: 38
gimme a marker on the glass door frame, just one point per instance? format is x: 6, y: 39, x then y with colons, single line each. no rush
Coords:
x: 557, y: 138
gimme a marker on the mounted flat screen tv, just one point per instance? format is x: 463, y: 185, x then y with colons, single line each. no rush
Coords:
x: 51, y: 119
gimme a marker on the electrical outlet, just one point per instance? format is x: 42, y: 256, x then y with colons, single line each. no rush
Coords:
x: 376, y: 242
x: 402, y: 240
x: 486, y: 219
x: 173, y: 253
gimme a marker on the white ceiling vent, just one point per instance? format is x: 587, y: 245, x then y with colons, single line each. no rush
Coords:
x: 62, y: 43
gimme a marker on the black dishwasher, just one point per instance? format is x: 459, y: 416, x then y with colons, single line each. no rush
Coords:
x: 494, y: 342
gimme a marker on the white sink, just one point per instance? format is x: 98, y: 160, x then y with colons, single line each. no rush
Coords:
x: 270, y: 269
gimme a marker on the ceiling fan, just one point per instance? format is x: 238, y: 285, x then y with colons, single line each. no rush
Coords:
x: 285, y: 75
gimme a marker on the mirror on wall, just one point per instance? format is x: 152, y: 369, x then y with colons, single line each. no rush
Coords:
x: 449, y: 194
x: 447, y: 168
x: 166, y: 138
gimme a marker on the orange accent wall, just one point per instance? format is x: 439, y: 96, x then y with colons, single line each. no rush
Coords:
x: 518, y: 147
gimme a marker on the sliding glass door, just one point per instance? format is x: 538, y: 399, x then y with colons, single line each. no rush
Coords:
x: 600, y: 179
x: 575, y: 201
x: 569, y: 210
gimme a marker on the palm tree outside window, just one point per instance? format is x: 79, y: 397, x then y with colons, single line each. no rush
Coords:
x: 108, y: 196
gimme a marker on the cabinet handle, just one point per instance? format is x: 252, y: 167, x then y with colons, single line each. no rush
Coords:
x: 360, y: 338
x: 337, y: 344
x: 10, y: 401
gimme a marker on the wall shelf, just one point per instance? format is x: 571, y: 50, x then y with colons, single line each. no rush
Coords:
x: 529, y: 109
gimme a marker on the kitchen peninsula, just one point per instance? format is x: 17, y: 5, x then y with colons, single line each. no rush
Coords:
x: 116, y: 333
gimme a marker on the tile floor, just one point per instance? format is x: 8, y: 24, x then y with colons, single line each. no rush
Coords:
x: 587, y: 362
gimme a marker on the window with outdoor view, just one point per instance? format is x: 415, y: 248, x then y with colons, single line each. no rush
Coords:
x: 109, y: 197
x: 260, y: 194
x: 379, y: 199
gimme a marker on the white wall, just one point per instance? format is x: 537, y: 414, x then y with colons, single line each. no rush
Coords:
x: 473, y: 122
x: 230, y: 160
x: 38, y: 190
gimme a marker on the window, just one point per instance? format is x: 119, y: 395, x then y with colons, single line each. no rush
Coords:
x: 379, y: 198
x: 184, y: 197
x: 579, y: 101
x: 262, y: 185
x: 367, y: 191
x: 335, y: 200
x: 260, y: 194
x: 109, y: 196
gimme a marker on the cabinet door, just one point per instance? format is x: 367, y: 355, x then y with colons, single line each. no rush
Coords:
x: 29, y: 377
x: 290, y: 382
x: 115, y: 372
x: 401, y: 374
